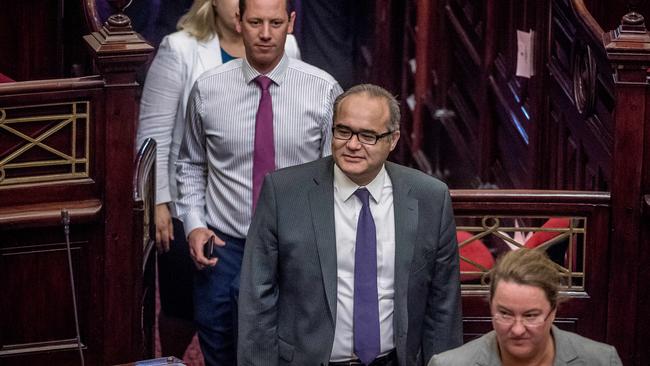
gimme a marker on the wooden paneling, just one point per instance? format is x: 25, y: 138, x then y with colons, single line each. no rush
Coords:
x: 39, y: 131
x: 627, y: 50
x: 378, y: 54
x: 68, y: 144
x: 579, y: 123
x: 35, y: 275
x: 487, y: 126
x: 32, y: 41
x: 40, y: 39
x: 584, y: 308
x: 581, y: 104
x: 39, y: 313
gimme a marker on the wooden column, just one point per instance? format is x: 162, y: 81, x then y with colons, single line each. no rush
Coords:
x: 423, y: 34
x: 628, y: 49
x: 118, y: 53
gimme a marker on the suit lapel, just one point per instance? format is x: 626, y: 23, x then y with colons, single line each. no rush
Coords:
x: 406, y: 224
x: 489, y: 354
x: 209, y: 55
x: 565, y: 353
x: 321, y: 204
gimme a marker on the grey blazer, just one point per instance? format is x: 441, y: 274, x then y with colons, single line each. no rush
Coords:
x: 288, y: 295
x: 570, y: 349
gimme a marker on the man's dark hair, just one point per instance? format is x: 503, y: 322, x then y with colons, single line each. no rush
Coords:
x: 242, y: 7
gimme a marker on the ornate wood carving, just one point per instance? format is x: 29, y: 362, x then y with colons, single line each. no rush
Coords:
x: 584, y: 79
x: 40, y: 143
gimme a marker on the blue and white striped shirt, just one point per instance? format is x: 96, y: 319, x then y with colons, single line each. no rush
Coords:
x: 215, y: 163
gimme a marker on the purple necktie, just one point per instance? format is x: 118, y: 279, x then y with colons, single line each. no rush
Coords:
x: 264, y: 153
x: 366, y: 302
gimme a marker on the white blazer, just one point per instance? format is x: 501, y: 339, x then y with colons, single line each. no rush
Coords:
x: 180, y: 60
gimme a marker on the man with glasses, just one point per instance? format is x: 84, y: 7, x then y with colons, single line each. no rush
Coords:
x: 351, y: 260
x: 523, y: 300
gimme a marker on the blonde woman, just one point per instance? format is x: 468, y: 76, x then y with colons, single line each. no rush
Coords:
x: 206, y: 38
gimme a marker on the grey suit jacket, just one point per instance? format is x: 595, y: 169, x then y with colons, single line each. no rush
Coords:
x: 288, y: 295
x: 570, y: 349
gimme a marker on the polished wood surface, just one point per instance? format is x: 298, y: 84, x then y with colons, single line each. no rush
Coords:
x: 579, y: 123
x: 144, y: 234
x: 583, y: 310
x: 628, y: 49
x: 69, y: 144
x: 41, y: 39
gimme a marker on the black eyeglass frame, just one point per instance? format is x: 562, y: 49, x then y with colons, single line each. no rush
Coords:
x: 357, y: 133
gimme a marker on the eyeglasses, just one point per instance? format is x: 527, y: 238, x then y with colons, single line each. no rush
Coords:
x: 367, y: 138
x: 528, y: 320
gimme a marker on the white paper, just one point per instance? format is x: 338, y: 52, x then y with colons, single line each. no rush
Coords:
x: 525, y: 59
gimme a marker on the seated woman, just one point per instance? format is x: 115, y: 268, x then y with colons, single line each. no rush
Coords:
x: 523, y: 302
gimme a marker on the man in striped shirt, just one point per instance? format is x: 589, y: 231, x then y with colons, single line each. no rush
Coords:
x: 215, y: 164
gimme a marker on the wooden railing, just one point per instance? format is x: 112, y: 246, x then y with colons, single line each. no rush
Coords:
x: 144, y: 235
x: 69, y: 144
x: 577, y: 240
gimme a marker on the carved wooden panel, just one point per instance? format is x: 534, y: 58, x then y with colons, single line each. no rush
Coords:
x: 470, y: 16
x: 68, y: 144
x: 40, y: 143
x: 34, y: 274
x: 581, y: 102
x: 501, y: 129
x: 462, y: 82
x: 571, y: 227
x: 493, y: 109
x: 49, y: 153
x: 50, y: 140
x: 578, y: 123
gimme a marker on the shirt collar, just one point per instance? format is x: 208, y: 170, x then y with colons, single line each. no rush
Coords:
x: 344, y: 187
x: 276, y: 75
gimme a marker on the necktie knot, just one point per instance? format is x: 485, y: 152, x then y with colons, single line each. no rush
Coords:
x: 364, y: 196
x: 264, y: 82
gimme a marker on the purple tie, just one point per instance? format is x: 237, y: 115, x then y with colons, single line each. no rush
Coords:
x: 264, y: 153
x: 366, y: 302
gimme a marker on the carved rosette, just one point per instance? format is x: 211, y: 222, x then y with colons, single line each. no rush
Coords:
x: 584, y: 79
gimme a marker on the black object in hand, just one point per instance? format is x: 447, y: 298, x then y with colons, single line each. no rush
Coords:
x: 208, y: 248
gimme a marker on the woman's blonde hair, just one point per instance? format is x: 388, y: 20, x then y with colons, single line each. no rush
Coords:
x: 200, y: 21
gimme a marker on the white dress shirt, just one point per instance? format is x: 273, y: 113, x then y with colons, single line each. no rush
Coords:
x: 346, y: 214
x: 179, y: 61
x: 215, y: 163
